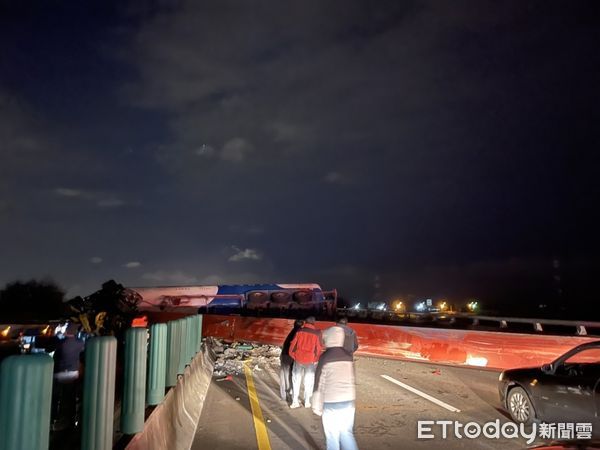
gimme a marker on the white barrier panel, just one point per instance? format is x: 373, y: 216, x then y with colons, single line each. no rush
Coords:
x: 172, y: 425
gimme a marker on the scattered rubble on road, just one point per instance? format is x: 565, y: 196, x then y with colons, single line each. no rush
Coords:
x: 230, y: 358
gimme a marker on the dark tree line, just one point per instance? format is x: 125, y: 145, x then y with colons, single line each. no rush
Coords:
x: 32, y: 301
x: 107, y: 311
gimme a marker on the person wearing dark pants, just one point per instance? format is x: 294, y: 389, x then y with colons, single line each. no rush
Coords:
x: 66, y: 379
x: 286, y: 363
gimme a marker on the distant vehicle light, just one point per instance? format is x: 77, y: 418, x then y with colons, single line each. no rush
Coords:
x: 398, y: 306
x: 472, y: 306
x: 60, y: 329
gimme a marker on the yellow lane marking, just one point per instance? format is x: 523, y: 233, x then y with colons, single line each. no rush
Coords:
x: 262, y: 437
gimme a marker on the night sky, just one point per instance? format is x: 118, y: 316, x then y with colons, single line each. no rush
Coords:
x: 415, y: 148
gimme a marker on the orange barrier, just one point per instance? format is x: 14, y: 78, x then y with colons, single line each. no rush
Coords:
x: 488, y: 349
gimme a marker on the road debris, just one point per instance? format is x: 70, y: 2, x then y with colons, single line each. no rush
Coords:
x: 227, y: 378
x: 230, y: 358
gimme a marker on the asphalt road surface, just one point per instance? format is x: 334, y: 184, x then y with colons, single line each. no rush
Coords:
x: 392, y: 396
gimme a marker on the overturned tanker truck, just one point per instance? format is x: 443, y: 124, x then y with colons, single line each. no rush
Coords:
x: 276, y: 299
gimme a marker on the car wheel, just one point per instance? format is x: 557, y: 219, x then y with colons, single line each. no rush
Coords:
x: 520, y: 406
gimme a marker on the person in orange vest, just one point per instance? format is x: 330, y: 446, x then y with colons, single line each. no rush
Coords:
x: 305, y: 350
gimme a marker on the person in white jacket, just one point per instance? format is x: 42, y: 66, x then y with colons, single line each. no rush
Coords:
x: 335, y: 392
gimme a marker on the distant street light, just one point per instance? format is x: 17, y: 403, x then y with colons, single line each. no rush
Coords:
x: 472, y: 306
x: 398, y: 306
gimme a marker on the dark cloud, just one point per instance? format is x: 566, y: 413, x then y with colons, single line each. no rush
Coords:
x: 422, y: 142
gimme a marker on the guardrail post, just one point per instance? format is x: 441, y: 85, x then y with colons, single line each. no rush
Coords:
x: 25, y: 402
x: 183, y: 341
x: 503, y: 324
x: 134, y: 381
x: 581, y: 331
x: 194, y: 344
x: 196, y: 325
x: 538, y: 327
x: 190, y: 347
x: 199, y: 328
x: 99, y: 393
x: 173, y: 349
x: 194, y: 322
x: 157, y: 364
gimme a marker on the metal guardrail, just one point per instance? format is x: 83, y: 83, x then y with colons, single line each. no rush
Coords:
x: 579, y: 327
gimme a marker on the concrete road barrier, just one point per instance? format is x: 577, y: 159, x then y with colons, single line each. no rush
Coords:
x: 172, y: 425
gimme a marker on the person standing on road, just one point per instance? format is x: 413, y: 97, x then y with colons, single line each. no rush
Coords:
x: 305, y: 350
x: 335, y: 392
x: 67, y: 381
x: 66, y: 355
x: 350, y: 340
x: 286, y: 362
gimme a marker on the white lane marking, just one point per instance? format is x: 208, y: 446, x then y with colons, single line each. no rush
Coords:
x: 422, y: 394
